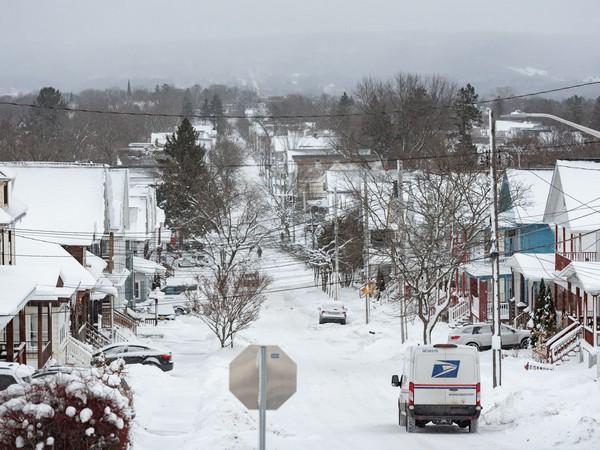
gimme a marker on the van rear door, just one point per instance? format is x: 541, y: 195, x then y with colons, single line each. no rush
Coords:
x: 446, y: 377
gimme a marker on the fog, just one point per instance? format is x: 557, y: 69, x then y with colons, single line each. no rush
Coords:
x: 281, y: 46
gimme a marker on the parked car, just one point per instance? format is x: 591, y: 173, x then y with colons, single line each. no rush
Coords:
x: 13, y: 373
x: 135, y: 354
x: 56, y: 370
x: 439, y: 384
x: 174, y: 295
x: 333, y: 312
x: 479, y: 335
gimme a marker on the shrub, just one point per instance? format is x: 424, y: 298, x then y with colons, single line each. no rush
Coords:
x: 87, y: 409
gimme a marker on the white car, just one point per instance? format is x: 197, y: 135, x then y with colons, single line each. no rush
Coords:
x: 333, y: 312
x: 439, y: 384
x: 14, y: 373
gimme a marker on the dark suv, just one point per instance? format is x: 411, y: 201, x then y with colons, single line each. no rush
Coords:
x: 135, y: 354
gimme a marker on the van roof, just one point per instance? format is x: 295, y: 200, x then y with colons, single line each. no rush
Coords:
x: 457, y: 349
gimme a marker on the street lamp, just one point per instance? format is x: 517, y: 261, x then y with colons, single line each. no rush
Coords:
x: 523, y: 115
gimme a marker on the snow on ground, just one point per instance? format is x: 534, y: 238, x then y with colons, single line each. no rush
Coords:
x: 344, y: 398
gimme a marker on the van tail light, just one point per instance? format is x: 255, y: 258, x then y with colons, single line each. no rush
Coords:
x: 478, y: 394
x: 166, y: 356
x: 411, y: 393
x: 454, y: 338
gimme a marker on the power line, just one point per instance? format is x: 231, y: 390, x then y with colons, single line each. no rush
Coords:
x: 282, y: 116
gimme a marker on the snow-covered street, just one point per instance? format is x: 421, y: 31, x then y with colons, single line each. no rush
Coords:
x: 344, y: 398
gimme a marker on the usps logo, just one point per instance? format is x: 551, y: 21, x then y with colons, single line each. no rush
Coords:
x: 445, y: 369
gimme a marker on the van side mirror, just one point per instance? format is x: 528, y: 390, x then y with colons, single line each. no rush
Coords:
x: 395, y: 381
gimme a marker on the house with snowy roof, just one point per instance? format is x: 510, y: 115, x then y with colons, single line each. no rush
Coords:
x: 37, y: 288
x: 573, y: 211
x: 527, y: 240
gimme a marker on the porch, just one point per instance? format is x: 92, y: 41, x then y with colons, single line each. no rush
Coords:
x: 27, y: 345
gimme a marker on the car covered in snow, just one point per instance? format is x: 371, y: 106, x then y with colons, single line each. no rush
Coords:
x: 134, y: 353
x: 479, y: 335
x: 333, y: 312
x: 439, y: 384
x: 14, y: 373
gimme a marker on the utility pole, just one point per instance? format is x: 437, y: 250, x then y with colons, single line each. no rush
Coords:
x: 399, y: 246
x: 495, y: 257
x: 366, y: 247
x: 336, y: 279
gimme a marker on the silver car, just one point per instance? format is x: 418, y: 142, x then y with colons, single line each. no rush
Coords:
x: 480, y: 335
x: 333, y: 312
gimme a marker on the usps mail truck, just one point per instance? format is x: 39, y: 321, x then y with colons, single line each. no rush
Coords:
x: 440, y: 384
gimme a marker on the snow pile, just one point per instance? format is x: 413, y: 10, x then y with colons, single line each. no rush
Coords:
x: 88, y: 408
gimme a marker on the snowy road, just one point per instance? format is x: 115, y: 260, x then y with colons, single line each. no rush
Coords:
x: 344, y: 398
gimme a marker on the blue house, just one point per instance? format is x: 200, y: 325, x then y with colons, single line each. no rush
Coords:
x: 523, y: 196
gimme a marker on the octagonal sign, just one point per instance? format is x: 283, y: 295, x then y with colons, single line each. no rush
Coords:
x: 281, y: 377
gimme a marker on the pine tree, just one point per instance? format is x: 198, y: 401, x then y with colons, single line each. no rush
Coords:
x: 216, y: 111
x: 187, y: 109
x: 466, y: 116
x: 185, y: 179
x: 544, y: 318
x: 128, y: 89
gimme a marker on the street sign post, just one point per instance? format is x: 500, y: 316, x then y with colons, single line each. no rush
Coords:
x: 262, y: 377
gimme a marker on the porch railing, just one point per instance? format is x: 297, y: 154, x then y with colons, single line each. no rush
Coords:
x: 78, y: 353
x: 459, y: 311
x: 19, y: 352
x: 124, y: 321
x: 563, y: 259
x: 504, y: 311
x: 559, y: 345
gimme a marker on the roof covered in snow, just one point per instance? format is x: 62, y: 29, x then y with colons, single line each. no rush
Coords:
x: 533, y: 266
x: 64, y: 198
x: 17, y: 286
x: 31, y: 252
x: 574, y: 198
x: 528, y: 191
x: 483, y: 268
x: 584, y: 274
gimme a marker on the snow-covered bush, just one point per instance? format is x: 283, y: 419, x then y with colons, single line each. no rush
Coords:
x: 87, y: 409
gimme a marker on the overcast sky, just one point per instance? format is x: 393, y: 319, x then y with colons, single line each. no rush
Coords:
x: 32, y: 30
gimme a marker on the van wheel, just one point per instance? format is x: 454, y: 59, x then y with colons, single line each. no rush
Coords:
x: 473, y: 344
x: 473, y: 426
x: 411, y: 424
x: 525, y: 343
x: 401, y: 418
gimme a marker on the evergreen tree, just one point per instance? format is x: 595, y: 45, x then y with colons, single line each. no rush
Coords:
x: 185, y: 179
x: 216, y: 111
x: 466, y: 116
x: 574, y: 106
x: 187, y: 110
x: 128, y: 89
x: 544, y: 317
x: 595, y: 122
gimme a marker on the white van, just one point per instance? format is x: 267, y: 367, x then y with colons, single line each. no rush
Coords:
x: 440, y: 384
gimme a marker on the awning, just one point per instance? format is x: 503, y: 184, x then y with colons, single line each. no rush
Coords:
x: 483, y: 268
x: 103, y: 288
x: 147, y: 267
x: 533, y: 266
x: 52, y: 293
x: 584, y: 274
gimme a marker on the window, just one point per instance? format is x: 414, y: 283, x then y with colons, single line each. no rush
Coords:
x: 4, y: 201
x: 136, y: 348
x: 6, y: 381
x: 485, y: 329
x: 467, y: 330
x: 136, y: 290
x: 114, y: 350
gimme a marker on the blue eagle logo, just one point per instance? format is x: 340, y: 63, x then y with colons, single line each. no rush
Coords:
x: 445, y: 369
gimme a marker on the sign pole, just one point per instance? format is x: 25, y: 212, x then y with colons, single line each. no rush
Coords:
x: 262, y: 396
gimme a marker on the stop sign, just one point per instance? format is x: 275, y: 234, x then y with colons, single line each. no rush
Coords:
x: 281, y: 377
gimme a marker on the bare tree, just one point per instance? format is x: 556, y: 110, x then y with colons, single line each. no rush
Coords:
x: 230, y: 302
x: 430, y: 225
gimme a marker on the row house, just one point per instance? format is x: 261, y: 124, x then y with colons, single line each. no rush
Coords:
x: 573, y: 210
x: 34, y: 297
x: 527, y: 241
